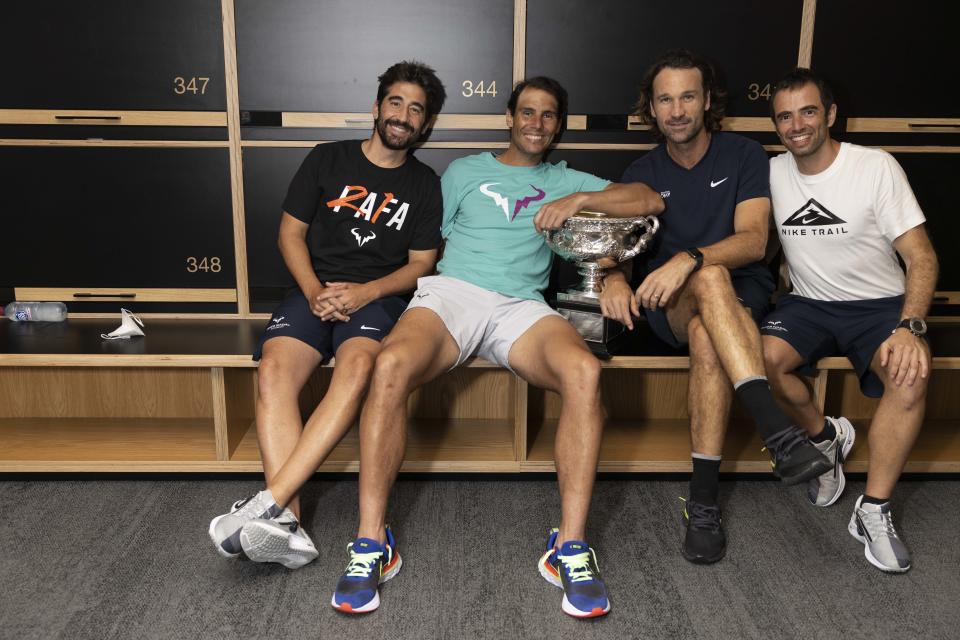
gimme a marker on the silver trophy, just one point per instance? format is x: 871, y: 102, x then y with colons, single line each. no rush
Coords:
x: 597, y: 242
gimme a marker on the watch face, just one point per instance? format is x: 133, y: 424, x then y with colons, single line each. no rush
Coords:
x: 917, y: 326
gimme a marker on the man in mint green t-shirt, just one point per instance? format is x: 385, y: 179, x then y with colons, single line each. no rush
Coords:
x: 488, y: 301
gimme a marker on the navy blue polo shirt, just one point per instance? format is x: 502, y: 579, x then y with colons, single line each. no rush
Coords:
x: 700, y: 202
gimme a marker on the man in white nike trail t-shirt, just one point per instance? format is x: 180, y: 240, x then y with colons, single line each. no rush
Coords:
x: 843, y: 213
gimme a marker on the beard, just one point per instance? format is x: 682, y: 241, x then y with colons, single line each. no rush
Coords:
x: 395, y: 142
x: 682, y: 137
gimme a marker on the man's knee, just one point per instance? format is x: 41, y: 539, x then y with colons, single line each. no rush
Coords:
x: 357, y: 363
x: 274, y: 376
x: 907, y: 397
x: 581, y: 374
x: 392, y: 368
x: 711, y: 281
x: 774, y: 358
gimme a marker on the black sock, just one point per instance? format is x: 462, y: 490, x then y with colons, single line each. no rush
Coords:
x: 827, y: 433
x: 756, y: 396
x: 705, y: 483
x: 871, y: 500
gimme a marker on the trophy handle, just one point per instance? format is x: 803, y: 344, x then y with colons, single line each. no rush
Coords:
x: 652, y: 225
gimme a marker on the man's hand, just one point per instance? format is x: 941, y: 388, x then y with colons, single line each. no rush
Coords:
x: 319, y: 306
x: 345, y: 298
x: 905, y: 356
x: 617, y: 301
x: 552, y: 215
x: 661, y: 285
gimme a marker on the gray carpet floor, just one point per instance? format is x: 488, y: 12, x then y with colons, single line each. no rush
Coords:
x: 130, y: 558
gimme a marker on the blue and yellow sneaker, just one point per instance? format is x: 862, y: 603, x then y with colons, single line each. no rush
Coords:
x: 371, y: 564
x: 573, y: 567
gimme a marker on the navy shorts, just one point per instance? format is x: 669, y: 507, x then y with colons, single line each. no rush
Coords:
x: 752, y: 291
x: 818, y: 329
x: 294, y: 319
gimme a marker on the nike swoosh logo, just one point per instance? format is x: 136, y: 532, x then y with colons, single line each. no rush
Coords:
x: 364, y: 327
x: 809, y: 220
x: 422, y: 295
x: 717, y: 183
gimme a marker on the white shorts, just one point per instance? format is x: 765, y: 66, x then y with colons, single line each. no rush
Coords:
x: 483, y: 323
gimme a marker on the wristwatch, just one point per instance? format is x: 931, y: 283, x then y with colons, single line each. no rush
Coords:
x: 697, y: 256
x: 916, y: 326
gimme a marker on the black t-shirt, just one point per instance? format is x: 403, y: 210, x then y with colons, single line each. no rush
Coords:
x: 363, y: 218
x: 700, y: 202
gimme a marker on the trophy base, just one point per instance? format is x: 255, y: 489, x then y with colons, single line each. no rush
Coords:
x: 604, y: 336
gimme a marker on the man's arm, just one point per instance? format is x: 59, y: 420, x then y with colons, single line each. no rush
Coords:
x: 747, y: 244
x: 617, y: 199
x: 292, y: 241
x: 348, y: 297
x: 904, y: 355
x: 922, y: 270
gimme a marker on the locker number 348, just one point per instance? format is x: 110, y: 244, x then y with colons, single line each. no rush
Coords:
x: 205, y: 264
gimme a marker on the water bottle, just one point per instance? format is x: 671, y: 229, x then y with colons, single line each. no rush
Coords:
x: 36, y: 311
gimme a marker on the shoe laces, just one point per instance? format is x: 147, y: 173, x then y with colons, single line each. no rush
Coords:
x: 361, y: 564
x: 292, y: 524
x: 783, y: 442
x: 878, y: 524
x: 578, y: 565
x: 701, y: 516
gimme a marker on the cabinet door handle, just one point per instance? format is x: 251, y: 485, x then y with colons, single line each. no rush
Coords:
x: 104, y: 295
x: 925, y: 125
x: 113, y: 118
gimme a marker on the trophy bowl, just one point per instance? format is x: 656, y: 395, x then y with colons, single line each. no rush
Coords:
x: 597, y: 242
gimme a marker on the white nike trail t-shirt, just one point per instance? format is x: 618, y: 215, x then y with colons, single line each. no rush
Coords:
x: 837, y: 227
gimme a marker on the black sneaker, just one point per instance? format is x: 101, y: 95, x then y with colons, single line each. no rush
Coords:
x: 705, y: 541
x: 794, y: 458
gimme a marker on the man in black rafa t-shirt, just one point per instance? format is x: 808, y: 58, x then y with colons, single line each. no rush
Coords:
x: 361, y: 223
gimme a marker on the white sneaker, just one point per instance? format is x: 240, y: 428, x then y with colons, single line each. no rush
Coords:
x: 825, y: 489
x: 872, y: 524
x: 225, y: 529
x: 280, y: 539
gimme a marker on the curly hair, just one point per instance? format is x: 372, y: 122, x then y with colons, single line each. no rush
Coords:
x: 682, y: 59
x: 419, y: 74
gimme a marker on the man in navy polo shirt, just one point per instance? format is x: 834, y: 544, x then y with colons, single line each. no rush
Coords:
x: 704, y: 282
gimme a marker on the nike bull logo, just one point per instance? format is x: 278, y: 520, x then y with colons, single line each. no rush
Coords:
x: 365, y: 239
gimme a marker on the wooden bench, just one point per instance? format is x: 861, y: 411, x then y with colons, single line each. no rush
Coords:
x: 182, y: 399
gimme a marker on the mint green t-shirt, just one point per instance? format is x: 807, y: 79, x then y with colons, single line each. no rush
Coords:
x: 488, y: 210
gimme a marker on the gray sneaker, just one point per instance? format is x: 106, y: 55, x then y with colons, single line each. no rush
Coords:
x: 824, y: 490
x: 279, y: 539
x: 225, y: 529
x: 872, y: 525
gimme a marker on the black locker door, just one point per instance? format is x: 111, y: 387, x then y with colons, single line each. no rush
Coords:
x: 113, y: 54
x: 889, y: 58
x: 302, y: 55
x: 600, y: 49
x: 87, y: 217
x: 933, y: 179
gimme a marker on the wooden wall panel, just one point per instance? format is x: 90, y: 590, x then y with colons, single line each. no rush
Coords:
x: 301, y: 55
x: 600, y: 49
x: 44, y: 392
x: 113, y: 54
